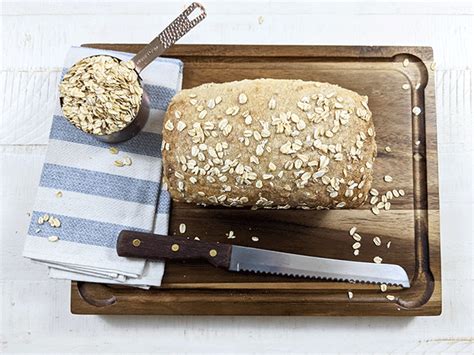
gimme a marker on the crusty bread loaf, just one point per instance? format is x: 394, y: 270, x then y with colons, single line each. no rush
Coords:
x: 269, y: 143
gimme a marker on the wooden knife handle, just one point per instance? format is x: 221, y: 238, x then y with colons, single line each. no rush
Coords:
x: 154, y: 246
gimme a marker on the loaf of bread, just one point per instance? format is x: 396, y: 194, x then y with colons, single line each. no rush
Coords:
x: 269, y: 144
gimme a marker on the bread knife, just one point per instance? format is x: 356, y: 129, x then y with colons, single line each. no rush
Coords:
x: 245, y: 259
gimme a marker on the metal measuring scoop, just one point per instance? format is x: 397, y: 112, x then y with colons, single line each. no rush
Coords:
x: 175, y: 30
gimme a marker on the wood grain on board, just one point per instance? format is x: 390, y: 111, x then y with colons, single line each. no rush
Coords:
x: 412, y: 224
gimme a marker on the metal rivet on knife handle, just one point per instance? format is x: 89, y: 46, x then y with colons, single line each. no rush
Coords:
x: 175, y: 247
x: 213, y: 252
x: 136, y: 242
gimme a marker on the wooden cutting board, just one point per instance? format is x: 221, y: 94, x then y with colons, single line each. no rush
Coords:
x: 411, y: 225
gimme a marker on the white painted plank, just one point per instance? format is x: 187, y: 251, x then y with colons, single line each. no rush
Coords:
x: 51, y: 328
x: 454, y: 101
x: 20, y: 169
x: 41, y: 40
x: 27, y: 105
x: 454, y: 98
x: 246, y: 7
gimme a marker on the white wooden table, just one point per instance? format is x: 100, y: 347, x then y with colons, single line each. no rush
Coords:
x: 34, y: 315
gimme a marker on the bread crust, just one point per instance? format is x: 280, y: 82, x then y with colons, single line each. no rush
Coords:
x: 269, y: 143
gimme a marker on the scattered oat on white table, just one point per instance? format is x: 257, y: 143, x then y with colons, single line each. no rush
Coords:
x: 34, y: 313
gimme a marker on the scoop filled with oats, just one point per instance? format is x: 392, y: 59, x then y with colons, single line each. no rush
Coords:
x: 103, y: 96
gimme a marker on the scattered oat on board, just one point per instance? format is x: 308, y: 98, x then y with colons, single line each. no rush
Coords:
x: 100, y: 94
x: 356, y: 252
x: 255, y: 239
x: 389, y: 243
x: 356, y: 245
x: 373, y: 192
x: 416, y: 110
x: 375, y: 210
x: 230, y: 235
x: 59, y: 194
x: 113, y: 150
x: 406, y: 62
x: 182, y: 228
x: 196, y: 238
x: 350, y: 294
x: 406, y: 86
x: 357, y: 237
x: 377, y: 241
x: 383, y: 287
x: 388, y: 149
x: 390, y: 297
x: 352, y: 230
x: 378, y: 260
x: 387, y: 178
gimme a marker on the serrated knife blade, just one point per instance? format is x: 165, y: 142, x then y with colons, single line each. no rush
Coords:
x: 286, y: 264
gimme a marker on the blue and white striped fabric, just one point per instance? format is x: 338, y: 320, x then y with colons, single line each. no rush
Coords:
x: 100, y: 199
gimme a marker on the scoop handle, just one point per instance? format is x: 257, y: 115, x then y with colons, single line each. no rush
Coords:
x: 175, y: 30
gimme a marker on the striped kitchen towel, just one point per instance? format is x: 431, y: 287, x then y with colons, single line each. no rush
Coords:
x: 94, y: 200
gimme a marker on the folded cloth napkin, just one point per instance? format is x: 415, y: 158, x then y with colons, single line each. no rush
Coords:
x: 94, y: 199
